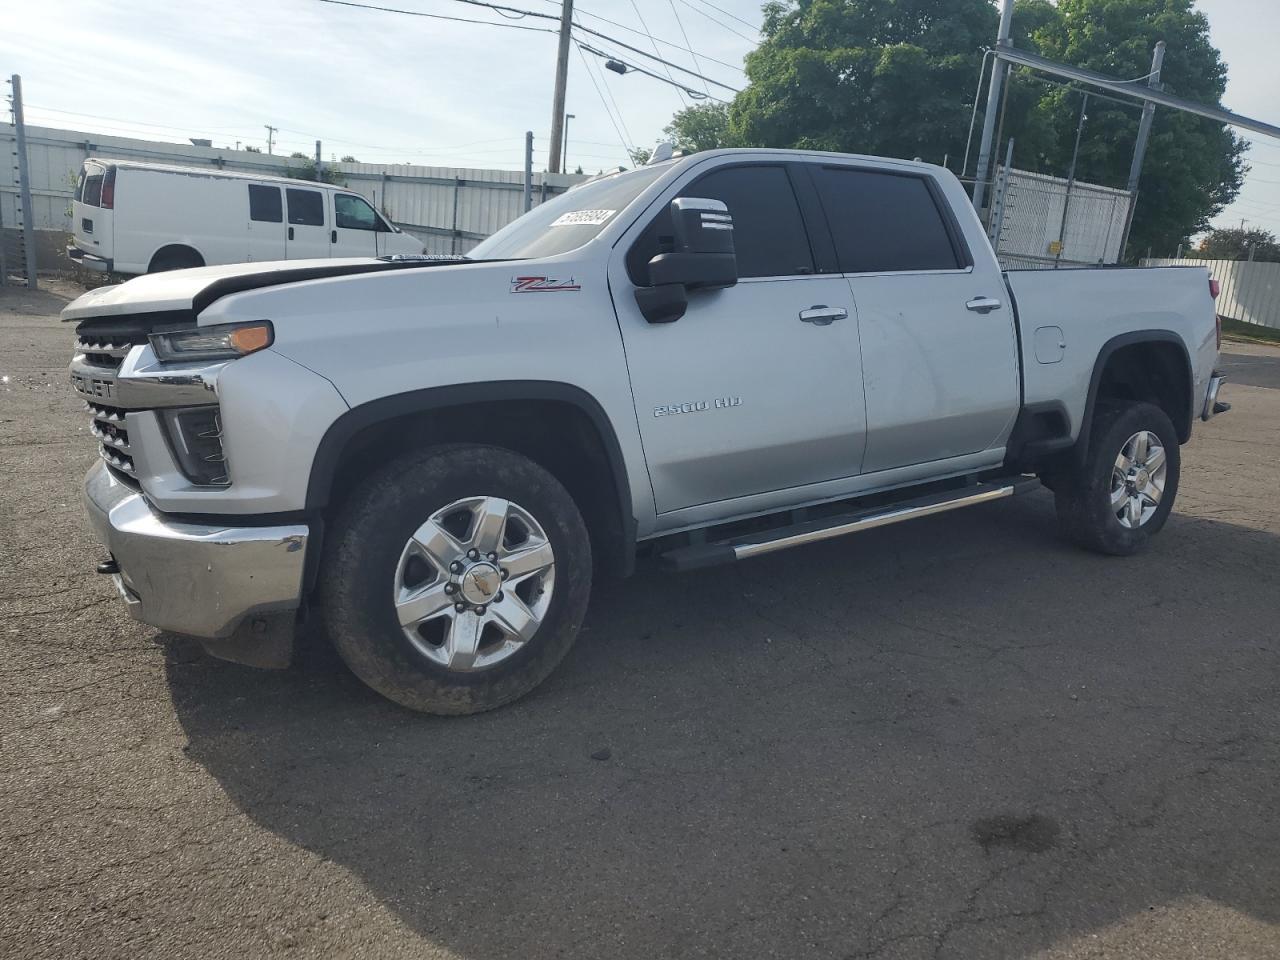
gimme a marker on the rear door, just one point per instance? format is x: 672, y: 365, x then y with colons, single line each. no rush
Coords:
x: 308, y: 231
x: 92, y: 222
x: 267, y: 231
x: 355, y: 227
x: 757, y: 388
x: 939, y: 350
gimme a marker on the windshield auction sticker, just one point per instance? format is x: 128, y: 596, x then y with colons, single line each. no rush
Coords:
x: 580, y: 218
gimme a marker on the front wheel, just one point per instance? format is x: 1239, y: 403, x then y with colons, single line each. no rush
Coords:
x: 456, y: 578
x: 1123, y: 493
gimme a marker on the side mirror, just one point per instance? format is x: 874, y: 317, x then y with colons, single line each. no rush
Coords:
x: 703, y: 259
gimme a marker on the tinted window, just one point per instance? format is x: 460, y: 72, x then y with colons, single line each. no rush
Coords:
x: 884, y: 222
x: 80, y: 186
x: 93, y: 190
x: 306, y: 207
x: 264, y: 204
x: 768, y: 232
x: 353, y: 213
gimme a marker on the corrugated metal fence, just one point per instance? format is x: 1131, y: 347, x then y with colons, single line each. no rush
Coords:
x: 450, y: 209
x: 1249, y: 291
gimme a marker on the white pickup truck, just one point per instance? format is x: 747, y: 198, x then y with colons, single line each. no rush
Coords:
x: 703, y: 360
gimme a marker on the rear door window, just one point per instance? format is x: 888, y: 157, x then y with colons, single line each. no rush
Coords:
x: 768, y: 231
x: 93, y: 190
x: 264, y: 204
x: 306, y: 207
x: 885, y: 222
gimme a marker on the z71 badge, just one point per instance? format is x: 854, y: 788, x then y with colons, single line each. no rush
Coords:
x: 543, y: 285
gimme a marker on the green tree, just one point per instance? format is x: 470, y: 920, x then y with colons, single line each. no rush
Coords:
x: 1234, y: 244
x: 640, y: 155
x: 897, y: 77
x: 1193, y: 166
x: 348, y: 158
x: 302, y: 167
x: 250, y: 148
x: 703, y: 126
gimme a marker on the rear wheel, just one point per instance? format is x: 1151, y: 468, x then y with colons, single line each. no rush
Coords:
x: 456, y: 578
x: 175, y: 258
x: 1123, y: 493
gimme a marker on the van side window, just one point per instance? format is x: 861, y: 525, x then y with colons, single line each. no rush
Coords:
x: 884, y: 222
x: 93, y: 190
x: 80, y: 186
x: 264, y: 204
x: 353, y: 213
x: 306, y: 207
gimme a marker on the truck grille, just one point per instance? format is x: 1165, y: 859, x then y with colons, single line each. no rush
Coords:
x: 106, y: 351
x: 107, y: 424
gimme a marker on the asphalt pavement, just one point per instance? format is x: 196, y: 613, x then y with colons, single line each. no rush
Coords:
x: 959, y: 737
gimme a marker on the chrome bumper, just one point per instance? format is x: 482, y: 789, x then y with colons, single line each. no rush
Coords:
x: 1212, y: 405
x: 90, y: 260
x: 194, y: 579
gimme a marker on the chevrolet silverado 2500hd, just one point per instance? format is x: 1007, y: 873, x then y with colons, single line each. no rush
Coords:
x: 705, y: 359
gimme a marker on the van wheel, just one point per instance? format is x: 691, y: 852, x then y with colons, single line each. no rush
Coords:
x: 1123, y: 494
x: 456, y: 578
x: 175, y: 258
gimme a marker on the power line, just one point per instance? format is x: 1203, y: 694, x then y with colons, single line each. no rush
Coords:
x: 745, y: 23
x: 606, y: 55
x: 441, y: 16
x: 602, y: 100
x: 640, y: 16
x: 680, y: 24
x: 720, y: 23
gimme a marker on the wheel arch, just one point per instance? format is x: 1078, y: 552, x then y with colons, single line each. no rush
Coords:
x: 400, y: 421
x: 1166, y: 379
x: 174, y: 248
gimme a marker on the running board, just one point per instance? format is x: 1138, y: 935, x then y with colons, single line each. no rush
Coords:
x: 812, y: 531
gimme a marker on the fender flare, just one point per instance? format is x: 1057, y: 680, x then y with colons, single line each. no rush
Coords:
x: 328, y: 456
x: 1100, y: 364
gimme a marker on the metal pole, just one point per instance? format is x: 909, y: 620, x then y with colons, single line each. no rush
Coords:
x: 562, y: 75
x: 271, y: 132
x: 1140, y: 146
x: 319, y: 165
x: 528, y: 171
x: 993, y: 103
x: 998, y: 225
x: 24, y: 182
x: 1071, y: 179
x: 564, y: 153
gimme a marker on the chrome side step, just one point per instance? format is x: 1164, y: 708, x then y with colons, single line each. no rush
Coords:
x: 812, y: 531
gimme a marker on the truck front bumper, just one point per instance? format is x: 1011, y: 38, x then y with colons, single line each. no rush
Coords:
x: 199, y: 580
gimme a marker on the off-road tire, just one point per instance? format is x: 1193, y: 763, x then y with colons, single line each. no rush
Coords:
x: 1082, y: 495
x: 363, y: 547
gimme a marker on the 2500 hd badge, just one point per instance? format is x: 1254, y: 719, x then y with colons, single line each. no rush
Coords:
x: 696, y: 406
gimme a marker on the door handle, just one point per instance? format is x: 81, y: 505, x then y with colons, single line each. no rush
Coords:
x: 291, y: 233
x: 333, y: 236
x: 983, y: 304
x: 820, y: 315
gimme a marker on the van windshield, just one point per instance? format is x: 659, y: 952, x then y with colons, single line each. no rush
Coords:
x: 570, y: 220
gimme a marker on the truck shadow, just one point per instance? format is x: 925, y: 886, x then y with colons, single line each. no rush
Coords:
x: 960, y: 736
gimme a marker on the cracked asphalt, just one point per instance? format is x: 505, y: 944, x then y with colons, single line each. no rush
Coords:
x: 954, y: 738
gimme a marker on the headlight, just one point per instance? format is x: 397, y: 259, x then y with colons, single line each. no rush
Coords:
x: 223, y: 342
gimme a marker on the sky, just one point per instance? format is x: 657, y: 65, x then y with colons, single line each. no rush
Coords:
x: 389, y: 87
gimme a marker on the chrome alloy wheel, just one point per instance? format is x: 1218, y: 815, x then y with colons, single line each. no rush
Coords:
x: 1137, y: 480
x: 474, y: 583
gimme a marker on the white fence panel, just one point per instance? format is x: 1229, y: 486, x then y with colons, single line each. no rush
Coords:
x: 1249, y: 290
x: 1033, y: 220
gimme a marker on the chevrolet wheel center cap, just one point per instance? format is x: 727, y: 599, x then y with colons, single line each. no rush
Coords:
x: 480, y: 583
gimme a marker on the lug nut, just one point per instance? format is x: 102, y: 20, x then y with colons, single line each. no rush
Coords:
x: 493, y: 558
x: 500, y: 597
x: 505, y: 573
x: 473, y: 554
x: 460, y: 607
x: 480, y: 610
x: 450, y: 588
x: 456, y: 566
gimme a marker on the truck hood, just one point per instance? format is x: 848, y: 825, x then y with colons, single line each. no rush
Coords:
x: 192, y: 290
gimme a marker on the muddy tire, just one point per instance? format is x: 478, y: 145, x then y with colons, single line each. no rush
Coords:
x: 456, y: 578
x: 1123, y: 493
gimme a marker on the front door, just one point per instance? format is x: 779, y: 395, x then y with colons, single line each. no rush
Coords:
x: 939, y: 351
x: 355, y: 227
x: 757, y: 388
x: 308, y: 234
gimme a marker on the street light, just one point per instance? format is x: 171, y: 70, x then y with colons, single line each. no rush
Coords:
x: 564, y: 152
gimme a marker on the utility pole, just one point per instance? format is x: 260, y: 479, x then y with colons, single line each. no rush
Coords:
x: 24, y: 182
x: 319, y: 165
x: 564, y: 153
x: 1140, y: 146
x: 998, y: 72
x: 271, y: 132
x: 562, y: 76
x: 528, y: 171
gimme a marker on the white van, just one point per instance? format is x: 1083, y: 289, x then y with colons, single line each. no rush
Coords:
x: 133, y: 217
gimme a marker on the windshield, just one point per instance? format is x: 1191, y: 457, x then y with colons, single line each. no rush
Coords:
x: 568, y: 221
